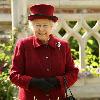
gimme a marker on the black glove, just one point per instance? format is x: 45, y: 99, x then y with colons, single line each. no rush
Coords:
x: 40, y: 83
x: 53, y: 81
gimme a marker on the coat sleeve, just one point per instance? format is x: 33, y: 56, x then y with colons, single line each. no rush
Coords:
x: 71, y: 72
x: 17, y: 73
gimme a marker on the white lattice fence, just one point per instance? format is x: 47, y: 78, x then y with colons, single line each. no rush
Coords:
x: 86, y: 87
x: 81, y: 20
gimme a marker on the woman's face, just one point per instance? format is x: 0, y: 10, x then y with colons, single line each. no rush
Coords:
x: 42, y: 28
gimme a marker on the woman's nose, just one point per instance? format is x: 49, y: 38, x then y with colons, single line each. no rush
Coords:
x: 41, y: 28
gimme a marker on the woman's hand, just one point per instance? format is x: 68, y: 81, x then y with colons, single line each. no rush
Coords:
x: 41, y: 83
x: 53, y: 81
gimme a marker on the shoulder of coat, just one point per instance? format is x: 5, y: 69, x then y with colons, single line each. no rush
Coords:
x: 62, y: 41
x: 26, y: 41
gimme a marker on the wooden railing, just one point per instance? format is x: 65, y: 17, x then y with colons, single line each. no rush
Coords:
x: 84, y: 87
x: 81, y: 22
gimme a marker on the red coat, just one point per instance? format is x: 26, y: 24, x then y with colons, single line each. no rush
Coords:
x: 33, y: 59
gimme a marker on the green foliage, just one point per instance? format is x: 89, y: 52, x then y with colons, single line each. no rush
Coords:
x: 4, y: 83
x: 75, y: 54
x: 73, y: 43
x: 6, y: 87
x: 91, y: 23
x: 5, y: 54
x: 71, y: 23
x: 91, y: 59
x: 90, y: 71
x: 92, y: 43
x: 62, y: 32
x: 82, y: 31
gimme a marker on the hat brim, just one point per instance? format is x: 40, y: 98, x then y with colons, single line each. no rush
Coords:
x: 33, y: 17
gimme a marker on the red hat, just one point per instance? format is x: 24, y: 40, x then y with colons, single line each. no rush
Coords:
x: 42, y: 11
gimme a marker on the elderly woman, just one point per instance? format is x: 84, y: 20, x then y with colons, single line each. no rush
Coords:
x: 41, y: 61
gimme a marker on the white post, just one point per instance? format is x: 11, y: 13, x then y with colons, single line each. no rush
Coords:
x: 14, y: 13
x: 25, y: 9
x: 82, y: 54
x: 19, y: 11
x: 22, y: 9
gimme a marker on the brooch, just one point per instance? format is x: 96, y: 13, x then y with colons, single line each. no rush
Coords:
x: 58, y: 45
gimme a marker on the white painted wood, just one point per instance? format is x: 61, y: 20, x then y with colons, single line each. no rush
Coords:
x: 87, y: 88
x: 69, y: 3
x: 5, y: 17
x: 19, y: 11
x: 81, y: 23
x: 14, y: 13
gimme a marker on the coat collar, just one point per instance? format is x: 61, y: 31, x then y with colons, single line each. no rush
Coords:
x: 52, y: 42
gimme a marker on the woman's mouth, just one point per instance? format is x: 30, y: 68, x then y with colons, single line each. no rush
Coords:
x: 42, y: 33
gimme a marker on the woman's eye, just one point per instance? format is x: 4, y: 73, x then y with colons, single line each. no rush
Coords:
x: 38, y: 25
x: 45, y: 25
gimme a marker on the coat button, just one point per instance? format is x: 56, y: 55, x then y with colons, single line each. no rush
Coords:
x: 47, y: 69
x: 46, y: 46
x: 46, y: 57
x: 47, y: 95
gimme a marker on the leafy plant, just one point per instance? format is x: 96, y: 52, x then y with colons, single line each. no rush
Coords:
x: 6, y: 87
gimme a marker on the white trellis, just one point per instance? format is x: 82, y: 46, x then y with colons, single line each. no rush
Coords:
x: 81, y: 23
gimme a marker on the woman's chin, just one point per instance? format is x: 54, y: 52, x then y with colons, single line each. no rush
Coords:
x: 43, y: 36
x: 43, y: 39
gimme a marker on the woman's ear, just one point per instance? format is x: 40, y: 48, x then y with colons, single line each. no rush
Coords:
x: 54, y: 25
x: 31, y: 26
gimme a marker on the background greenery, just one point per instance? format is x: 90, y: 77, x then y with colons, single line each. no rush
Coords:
x: 7, y: 89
